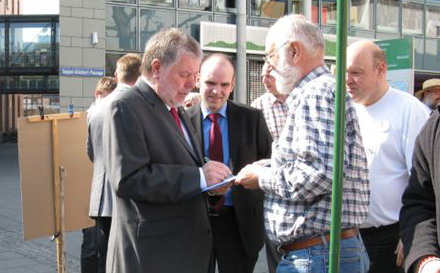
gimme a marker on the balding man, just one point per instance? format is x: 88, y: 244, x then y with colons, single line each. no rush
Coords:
x: 298, y: 183
x: 237, y: 217
x: 390, y: 120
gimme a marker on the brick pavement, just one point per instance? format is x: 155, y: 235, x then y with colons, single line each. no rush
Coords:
x: 36, y: 256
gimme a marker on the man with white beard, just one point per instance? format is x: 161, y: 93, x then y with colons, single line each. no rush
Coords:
x: 298, y: 182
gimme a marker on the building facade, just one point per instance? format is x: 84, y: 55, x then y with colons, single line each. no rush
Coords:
x: 89, y: 36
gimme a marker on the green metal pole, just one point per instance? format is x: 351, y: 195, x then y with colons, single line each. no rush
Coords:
x: 338, y: 153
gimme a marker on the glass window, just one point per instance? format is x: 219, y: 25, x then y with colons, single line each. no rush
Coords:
x: 262, y: 23
x: 388, y: 15
x: 30, y: 45
x: 190, y: 23
x: 157, y: 2
x: 110, y: 62
x: 53, y: 83
x: 225, y: 6
x: 196, y: 4
x: 387, y: 36
x: 226, y: 19
x: 153, y: 20
x: 315, y: 9
x: 123, y: 1
x: 432, y: 55
x: 412, y: 18
x: 361, y: 13
x: 432, y: 21
x: 267, y: 8
x: 2, y: 45
x: 328, y: 12
x: 120, y: 28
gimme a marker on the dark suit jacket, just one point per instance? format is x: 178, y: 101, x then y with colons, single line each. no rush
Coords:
x: 249, y: 141
x: 420, y: 214
x: 160, y: 222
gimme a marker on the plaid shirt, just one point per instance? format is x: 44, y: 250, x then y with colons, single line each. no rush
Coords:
x: 274, y: 111
x: 298, y: 185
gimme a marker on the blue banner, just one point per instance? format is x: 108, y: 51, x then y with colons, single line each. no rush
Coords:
x: 82, y: 72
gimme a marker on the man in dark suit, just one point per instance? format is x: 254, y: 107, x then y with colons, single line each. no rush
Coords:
x: 420, y: 214
x: 126, y: 74
x: 237, y: 217
x: 160, y: 220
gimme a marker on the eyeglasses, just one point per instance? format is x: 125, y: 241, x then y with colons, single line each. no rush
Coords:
x: 268, y: 56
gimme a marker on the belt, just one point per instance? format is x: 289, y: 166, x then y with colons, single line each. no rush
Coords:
x: 318, y: 240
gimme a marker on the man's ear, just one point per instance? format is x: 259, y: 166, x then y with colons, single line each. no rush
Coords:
x: 382, y: 67
x: 156, y: 66
x: 296, y: 52
x: 198, y: 80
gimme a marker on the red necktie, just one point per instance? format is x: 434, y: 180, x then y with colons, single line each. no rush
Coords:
x: 215, y: 153
x: 215, y: 139
x: 173, y: 112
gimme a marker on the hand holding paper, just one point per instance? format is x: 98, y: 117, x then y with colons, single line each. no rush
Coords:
x: 215, y: 172
x: 248, y: 177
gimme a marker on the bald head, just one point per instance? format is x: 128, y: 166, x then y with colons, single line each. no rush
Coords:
x: 366, y: 72
x: 216, y: 81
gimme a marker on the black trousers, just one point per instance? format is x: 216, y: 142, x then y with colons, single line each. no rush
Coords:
x: 228, y: 253
x: 94, y: 246
x: 273, y: 256
x: 381, y: 243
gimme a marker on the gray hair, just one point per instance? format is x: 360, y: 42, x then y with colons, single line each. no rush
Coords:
x: 167, y: 46
x: 297, y: 28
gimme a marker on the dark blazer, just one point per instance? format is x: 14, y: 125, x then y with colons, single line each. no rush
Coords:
x: 249, y: 141
x: 160, y: 221
x: 420, y: 214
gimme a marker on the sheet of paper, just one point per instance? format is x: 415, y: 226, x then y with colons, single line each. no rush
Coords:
x: 221, y: 184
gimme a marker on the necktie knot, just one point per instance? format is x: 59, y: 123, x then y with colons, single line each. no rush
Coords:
x: 214, y: 117
x: 173, y: 112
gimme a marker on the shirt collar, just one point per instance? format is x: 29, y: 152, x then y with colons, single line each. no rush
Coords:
x: 206, y: 111
x: 122, y: 85
x: 315, y: 73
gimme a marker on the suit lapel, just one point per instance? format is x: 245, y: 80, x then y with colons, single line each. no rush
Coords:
x: 195, y: 152
x: 234, y: 122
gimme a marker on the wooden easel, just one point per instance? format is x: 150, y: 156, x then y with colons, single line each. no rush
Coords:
x: 58, y: 183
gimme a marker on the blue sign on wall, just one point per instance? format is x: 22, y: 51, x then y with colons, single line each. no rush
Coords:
x: 82, y: 72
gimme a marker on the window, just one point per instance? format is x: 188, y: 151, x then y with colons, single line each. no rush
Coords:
x: 190, y: 23
x: 225, y: 6
x: 158, y: 2
x: 152, y: 21
x: 123, y: 1
x: 196, y: 4
x: 30, y: 45
x: 268, y: 9
x: 432, y: 21
x: 328, y: 12
x: 2, y: 45
x: 361, y: 14
x: 120, y: 28
x: 388, y: 15
x: 412, y: 18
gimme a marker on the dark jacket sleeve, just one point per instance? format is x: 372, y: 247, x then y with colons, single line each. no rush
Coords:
x: 420, y: 212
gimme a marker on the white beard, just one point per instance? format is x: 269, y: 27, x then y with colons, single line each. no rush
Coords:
x: 286, y: 76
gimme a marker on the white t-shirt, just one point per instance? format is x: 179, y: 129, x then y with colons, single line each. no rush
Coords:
x: 389, y: 129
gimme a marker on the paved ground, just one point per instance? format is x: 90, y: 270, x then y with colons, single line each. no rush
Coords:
x: 35, y: 256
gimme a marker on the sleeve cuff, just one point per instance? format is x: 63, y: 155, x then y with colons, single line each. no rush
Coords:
x: 203, y: 184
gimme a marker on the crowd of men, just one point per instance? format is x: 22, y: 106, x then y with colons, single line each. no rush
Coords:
x: 161, y: 155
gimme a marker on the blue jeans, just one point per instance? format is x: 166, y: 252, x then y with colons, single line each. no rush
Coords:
x: 315, y: 259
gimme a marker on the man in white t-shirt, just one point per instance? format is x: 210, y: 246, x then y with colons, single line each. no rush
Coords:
x: 390, y: 120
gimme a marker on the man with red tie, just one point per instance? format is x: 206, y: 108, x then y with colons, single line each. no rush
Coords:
x: 236, y: 135
x: 160, y: 220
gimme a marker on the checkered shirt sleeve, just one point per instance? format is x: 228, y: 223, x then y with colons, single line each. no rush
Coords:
x: 274, y: 111
x: 298, y: 185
